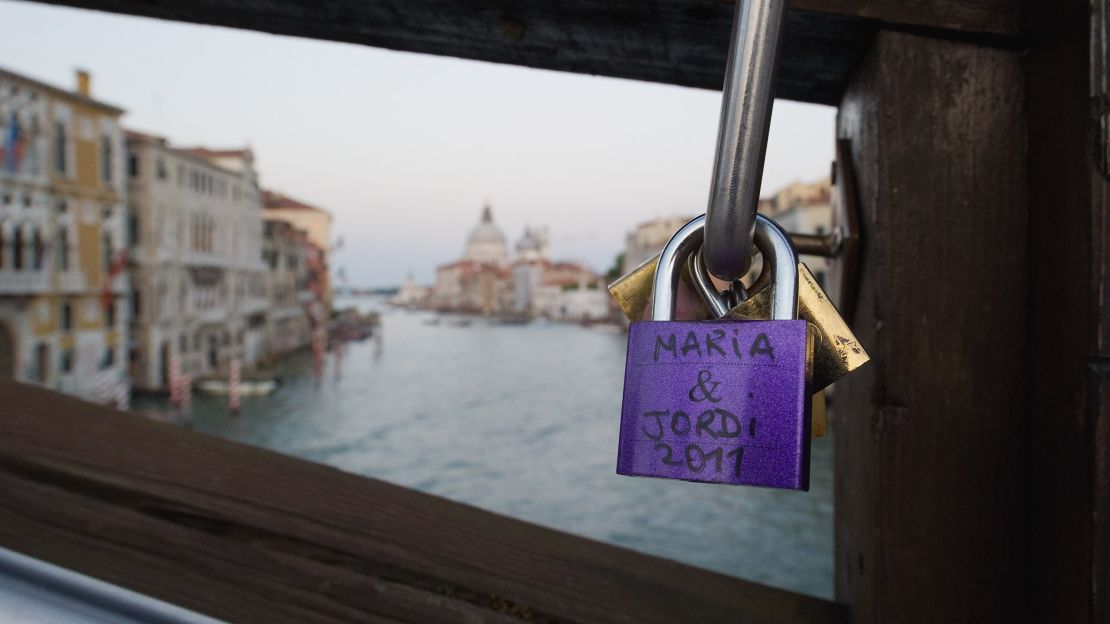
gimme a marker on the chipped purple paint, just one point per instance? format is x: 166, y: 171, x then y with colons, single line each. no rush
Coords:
x: 665, y: 379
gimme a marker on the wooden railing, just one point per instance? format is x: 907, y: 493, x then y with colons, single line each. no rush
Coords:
x: 246, y: 534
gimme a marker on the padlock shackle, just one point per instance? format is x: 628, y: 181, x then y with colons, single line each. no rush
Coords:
x: 685, y: 241
x: 778, y: 252
x: 779, y: 258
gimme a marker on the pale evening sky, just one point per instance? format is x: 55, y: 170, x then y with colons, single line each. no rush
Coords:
x: 404, y: 148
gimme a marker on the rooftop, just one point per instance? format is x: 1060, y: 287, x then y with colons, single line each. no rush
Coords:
x: 58, y: 91
x: 274, y: 200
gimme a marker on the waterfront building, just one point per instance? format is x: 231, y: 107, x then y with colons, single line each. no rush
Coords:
x: 293, y: 287
x: 197, y: 277
x: 532, y: 259
x: 474, y: 287
x: 63, y: 283
x: 571, y: 291
x: 313, y: 220
x: 534, y: 245
x: 474, y: 283
x: 484, y: 281
x: 648, y: 238
x: 486, y: 244
x: 411, y: 294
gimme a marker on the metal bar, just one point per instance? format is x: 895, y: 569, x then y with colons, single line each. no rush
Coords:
x: 742, y: 136
x: 40, y: 591
x: 824, y: 245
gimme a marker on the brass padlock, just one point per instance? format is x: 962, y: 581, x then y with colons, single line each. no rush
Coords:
x: 633, y: 293
x: 837, y: 351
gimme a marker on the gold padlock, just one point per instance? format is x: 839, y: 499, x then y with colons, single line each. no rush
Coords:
x: 633, y: 293
x: 837, y: 352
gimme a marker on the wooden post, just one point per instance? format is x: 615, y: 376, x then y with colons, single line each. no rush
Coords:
x: 1069, y: 487
x: 930, y: 438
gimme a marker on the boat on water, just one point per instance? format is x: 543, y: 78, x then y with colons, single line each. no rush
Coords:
x: 460, y: 322
x: 432, y: 321
x: 247, y: 387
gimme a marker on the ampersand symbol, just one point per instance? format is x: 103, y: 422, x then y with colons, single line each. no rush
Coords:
x: 705, y: 392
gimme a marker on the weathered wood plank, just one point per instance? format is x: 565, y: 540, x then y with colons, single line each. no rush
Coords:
x: 929, y: 450
x: 1099, y: 409
x: 999, y: 17
x: 682, y: 42
x: 1099, y: 391
x: 1063, y: 306
x: 247, y: 534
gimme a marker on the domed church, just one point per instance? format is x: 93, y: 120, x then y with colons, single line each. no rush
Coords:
x: 486, y: 244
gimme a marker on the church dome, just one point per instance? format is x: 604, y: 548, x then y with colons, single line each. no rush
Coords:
x: 487, y: 243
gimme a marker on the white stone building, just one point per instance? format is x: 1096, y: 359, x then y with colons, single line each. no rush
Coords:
x: 198, y: 279
x: 486, y: 243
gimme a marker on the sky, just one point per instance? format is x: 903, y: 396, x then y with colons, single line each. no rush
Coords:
x: 404, y: 149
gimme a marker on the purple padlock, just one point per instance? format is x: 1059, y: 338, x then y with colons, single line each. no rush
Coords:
x: 720, y: 401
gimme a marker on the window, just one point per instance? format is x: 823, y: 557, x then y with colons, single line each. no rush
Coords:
x: 17, y: 248
x: 61, y: 143
x: 132, y: 165
x: 133, y: 229
x: 67, y: 360
x: 42, y: 362
x: 67, y: 316
x: 106, y: 250
x: 38, y: 249
x: 106, y: 158
x: 160, y: 168
x: 110, y: 315
x: 61, y: 206
x: 109, y: 358
x: 63, y: 248
x: 183, y: 343
x: 136, y: 304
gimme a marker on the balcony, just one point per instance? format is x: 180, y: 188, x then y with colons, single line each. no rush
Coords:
x: 26, y: 282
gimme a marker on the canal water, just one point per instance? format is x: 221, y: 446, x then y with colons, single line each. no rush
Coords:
x: 522, y: 420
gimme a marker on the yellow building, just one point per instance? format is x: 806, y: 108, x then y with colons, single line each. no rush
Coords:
x: 63, y: 281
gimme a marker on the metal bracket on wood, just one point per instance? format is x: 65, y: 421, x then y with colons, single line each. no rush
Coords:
x: 842, y: 244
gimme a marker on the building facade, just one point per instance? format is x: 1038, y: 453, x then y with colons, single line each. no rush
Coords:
x: 63, y: 282
x: 199, y: 293
x: 648, y: 238
x: 295, y: 302
x: 313, y: 220
x: 532, y: 285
